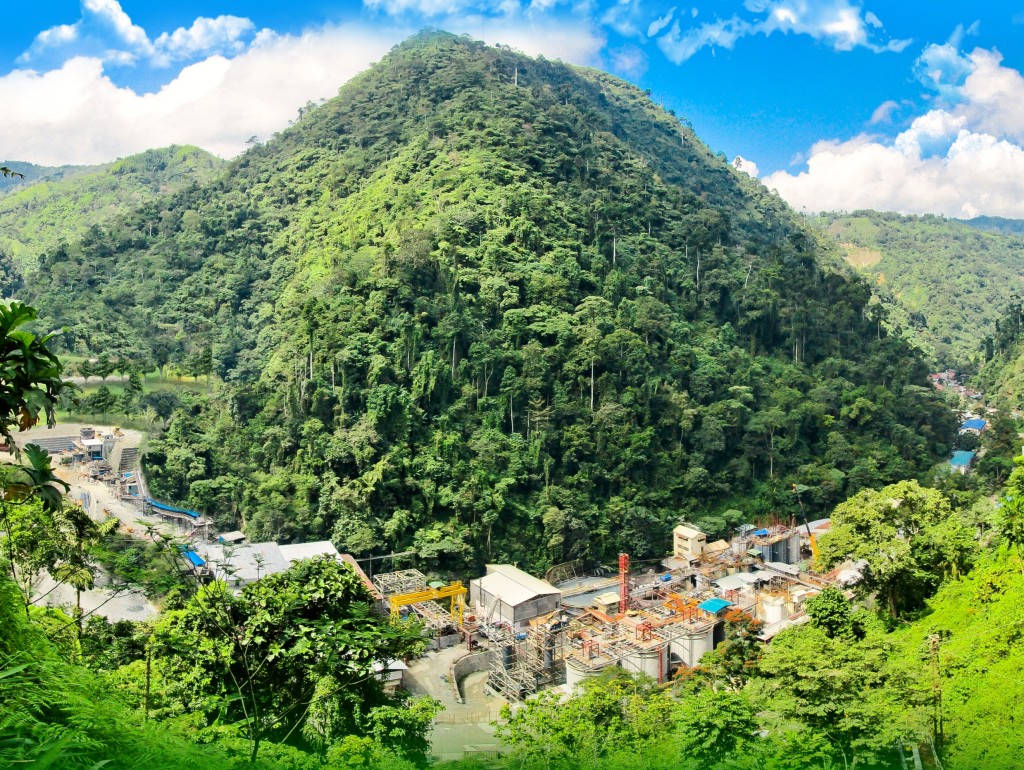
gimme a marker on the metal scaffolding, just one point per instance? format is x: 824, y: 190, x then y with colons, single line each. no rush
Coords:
x: 527, y: 661
x: 401, y: 582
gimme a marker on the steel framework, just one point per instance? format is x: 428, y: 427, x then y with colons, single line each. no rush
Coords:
x: 401, y: 582
x: 420, y: 602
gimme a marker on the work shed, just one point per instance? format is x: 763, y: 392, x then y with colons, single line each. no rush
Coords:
x: 506, y: 594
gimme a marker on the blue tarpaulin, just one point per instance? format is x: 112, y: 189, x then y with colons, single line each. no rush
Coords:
x: 714, y: 606
x: 976, y: 424
x: 961, y: 459
x: 760, y: 532
x: 171, y: 508
x: 193, y: 557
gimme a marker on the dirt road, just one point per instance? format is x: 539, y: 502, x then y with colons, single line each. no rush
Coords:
x: 100, y: 500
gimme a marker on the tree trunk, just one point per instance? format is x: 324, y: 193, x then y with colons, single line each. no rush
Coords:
x: 78, y: 611
x: 255, y: 750
x: 149, y: 661
x: 591, y: 384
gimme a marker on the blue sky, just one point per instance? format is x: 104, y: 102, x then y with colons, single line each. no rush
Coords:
x: 912, y: 106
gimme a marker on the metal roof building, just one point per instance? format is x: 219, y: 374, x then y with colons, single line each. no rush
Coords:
x: 294, y: 552
x: 243, y: 564
x: 506, y: 594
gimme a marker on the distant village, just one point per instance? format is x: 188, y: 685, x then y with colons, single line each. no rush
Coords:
x: 962, y: 460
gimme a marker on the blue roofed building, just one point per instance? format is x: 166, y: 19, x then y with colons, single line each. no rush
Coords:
x: 714, y: 606
x: 973, y: 425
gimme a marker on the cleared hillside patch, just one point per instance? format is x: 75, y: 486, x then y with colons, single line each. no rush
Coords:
x: 861, y: 257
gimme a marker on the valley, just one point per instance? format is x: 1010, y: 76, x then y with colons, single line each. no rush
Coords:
x: 484, y: 417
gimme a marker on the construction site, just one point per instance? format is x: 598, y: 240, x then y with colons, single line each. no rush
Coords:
x: 527, y: 633
x: 531, y: 634
x: 505, y: 635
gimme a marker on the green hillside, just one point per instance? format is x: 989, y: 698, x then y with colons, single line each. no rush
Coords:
x: 1001, y: 375
x: 487, y: 319
x: 51, y: 205
x: 25, y: 174
x: 944, y: 281
x: 997, y: 224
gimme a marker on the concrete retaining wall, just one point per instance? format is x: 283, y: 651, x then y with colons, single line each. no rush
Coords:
x: 468, y: 664
x: 435, y: 643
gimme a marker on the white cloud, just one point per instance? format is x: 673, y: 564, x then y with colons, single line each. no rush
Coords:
x: 962, y: 158
x: 621, y: 16
x: 578, y: 42
x: 204, y: 36
x: 629, y: 60
x: 837, y: 22
x: 62, y: 33
x: 993, y: 95
x: 110, y: 13
x: 427, y: 8
x: 680, y: 46
x: 883, y: 112
x: 106, y: 32
x: 746, y: 166
x: 76, y: 114
x: 660, y: 23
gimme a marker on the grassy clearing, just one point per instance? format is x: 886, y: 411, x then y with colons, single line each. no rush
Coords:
x: 117, y: 420
x: 861, y: 257
x: 151, y: 384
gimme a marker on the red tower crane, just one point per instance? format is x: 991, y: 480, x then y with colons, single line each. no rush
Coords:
x: 623, y: 582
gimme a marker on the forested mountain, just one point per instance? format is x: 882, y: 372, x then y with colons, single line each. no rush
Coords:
x: 494, y: 307
x: 1002, y: 373
x: 52, y: 205
x: 24, y: 174
x: 943, y: 281
x: 997, y: 224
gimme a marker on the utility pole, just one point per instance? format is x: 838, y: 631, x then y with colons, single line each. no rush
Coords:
x: 149, y: 663
x: 937, y: 723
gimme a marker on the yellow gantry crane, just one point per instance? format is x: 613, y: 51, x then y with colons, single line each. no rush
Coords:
x: 454, y: 591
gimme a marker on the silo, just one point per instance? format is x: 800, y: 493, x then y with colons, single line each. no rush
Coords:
x: 794, y: 547
x: 576, y: 672
x: 651, y: 662
x: 690, y: 648
x: 703, y: 641
x: 772, y: 608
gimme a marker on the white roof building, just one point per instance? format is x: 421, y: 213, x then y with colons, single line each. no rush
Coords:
x: 506, y: 594
x: 294, y: 552
x: 239, y: 565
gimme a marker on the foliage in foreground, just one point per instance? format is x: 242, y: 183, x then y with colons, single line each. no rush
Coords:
x: 58, y: 715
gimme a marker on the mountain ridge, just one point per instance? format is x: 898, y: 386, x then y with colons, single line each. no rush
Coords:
x: 57, y: 204
x: 944, y: 281
x: 491, y: 307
